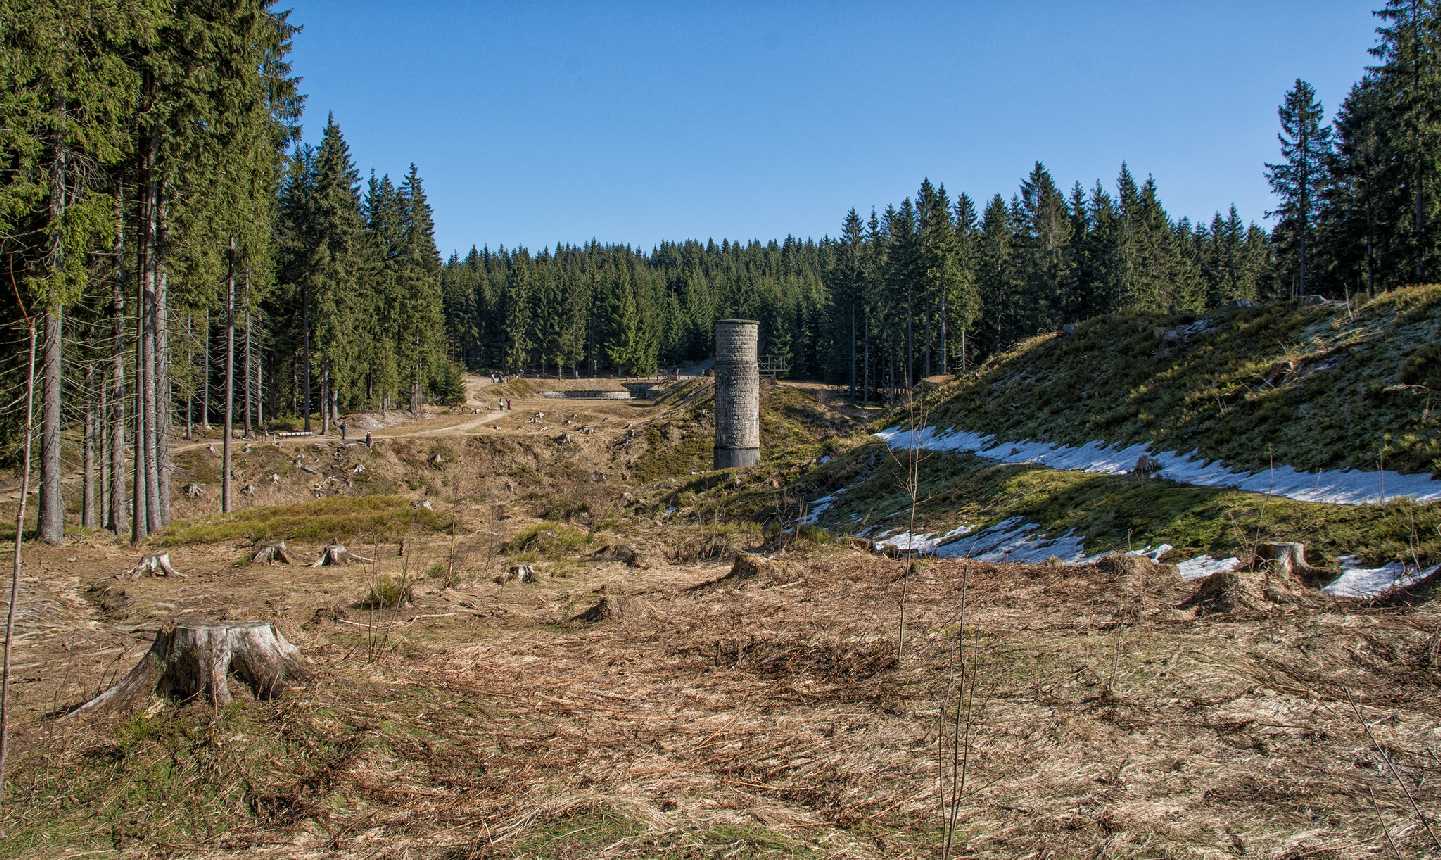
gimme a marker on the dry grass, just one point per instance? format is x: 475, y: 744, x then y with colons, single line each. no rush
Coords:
x: 758, y: 717
x: 769, y: 718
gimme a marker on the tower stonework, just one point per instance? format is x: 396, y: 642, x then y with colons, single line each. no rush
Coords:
x: 737, y: 394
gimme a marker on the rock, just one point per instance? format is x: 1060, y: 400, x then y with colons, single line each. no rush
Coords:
x: 1068, y: 330
x: 421, y: 504
x: 436, y: 461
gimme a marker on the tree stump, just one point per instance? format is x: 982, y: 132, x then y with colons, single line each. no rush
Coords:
x: 194, y: 658
x: 436, y: 461
x: 337, y: 555
x: 194, y: 491
x: 1147, y: 467
x: 1288, y: 558
x: 154, y: 565
x: 271, y: 553
x: 521, y: 573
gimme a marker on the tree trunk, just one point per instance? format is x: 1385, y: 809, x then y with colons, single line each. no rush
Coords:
x: 117, y: 521
x: 190, y: 362
x: 89, y: 515
x: 102, y: 431
x: 205, y: 378
x: 305, y: 358
x: 260, y: 394
x: 18, y: 543
x: 51, y: 509
x: 325, y: 400
x: 195, y: 659
x: 245, y: 366
x: 229, y: 377
x: 145, y: 163
x: 945, y: 344
x: 148, y: 398
x: 164, y: 400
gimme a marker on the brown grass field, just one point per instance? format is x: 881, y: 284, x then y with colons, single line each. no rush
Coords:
x: 1070, y: 711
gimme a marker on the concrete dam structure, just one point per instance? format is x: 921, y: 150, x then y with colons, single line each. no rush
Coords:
x: 737, y: 394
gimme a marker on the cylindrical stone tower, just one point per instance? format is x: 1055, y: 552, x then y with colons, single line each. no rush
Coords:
x: 737, y: 394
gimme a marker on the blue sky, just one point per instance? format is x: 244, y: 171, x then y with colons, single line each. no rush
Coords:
x: 533, y: 123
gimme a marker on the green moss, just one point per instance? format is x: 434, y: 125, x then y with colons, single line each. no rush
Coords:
x: 334, y: 518
x: 546, y: 540
x: 1122, y: 511
x: 578, y: 834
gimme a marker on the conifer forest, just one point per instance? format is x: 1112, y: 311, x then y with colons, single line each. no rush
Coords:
x: 1061, y: 519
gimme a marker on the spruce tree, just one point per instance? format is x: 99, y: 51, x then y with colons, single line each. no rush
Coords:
x: 1298, y: 179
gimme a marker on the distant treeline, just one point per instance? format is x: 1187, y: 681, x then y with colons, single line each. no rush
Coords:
x: 936, y: 283
x: 926, y: 286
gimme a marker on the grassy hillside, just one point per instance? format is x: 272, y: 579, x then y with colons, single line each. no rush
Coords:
x: 1313, y: 387
x: 1114, y: 512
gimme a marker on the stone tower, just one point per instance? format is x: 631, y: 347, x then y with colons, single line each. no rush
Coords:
x: 737, y: 394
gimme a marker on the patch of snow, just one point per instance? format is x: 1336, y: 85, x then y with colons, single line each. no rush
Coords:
x: 1014, y: 540
x: 1203, y: 566
x: 1371, y: 581
x: 1336, y: 486
x: 1154, y: 553
x: 818, y: 508
x: 922, y: 543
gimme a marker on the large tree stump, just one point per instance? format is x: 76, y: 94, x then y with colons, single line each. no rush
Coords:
x: 1287, y: 557
x: 154, y: 565
x: 194, y: 658
x: 271, y: 553
x: 336, y: 554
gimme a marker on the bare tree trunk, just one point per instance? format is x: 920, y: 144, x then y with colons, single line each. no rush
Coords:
x: 148, y: 391
x: 190, y: 362
x: 139, y: 516
x: 245, y: 369
x: 325, y: 400
x: 89, y: 516
x: 15, y: 568
x: 305, y: 358
x: 116, y: 522
x: 260, y: 394
x: 102, y: 430
x: 51, y: 509
x: 164, y: 467
x: 205, y: 378
x: 229, y: 377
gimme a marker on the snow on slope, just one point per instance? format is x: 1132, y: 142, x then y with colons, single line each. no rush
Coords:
x: 1337, y: 487
x: 1015, y: 540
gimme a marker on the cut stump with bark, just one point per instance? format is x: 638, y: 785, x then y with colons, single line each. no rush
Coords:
x: 154, y: 565
x: 337, y: 555
x: 194, y: 659
x: 521, y: 573
x: 271, y: 553
x: 1287, y: 557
